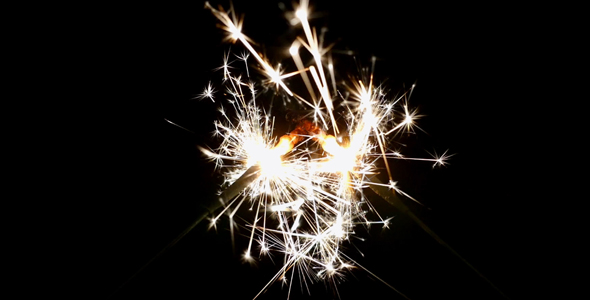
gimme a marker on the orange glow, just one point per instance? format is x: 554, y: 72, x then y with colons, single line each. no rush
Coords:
x: 285, y: 144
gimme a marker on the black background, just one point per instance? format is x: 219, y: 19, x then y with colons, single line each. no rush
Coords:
x: 147, y: 181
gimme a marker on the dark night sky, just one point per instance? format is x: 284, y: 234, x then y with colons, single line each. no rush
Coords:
x: 149, y: 181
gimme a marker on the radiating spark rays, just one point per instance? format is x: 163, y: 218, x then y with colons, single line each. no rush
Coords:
x: 244, y: 57
x: 207, y: 93
x: 234, y: 27
x: 225, y: 66
x: 439, y: 160
x: 308, y: 193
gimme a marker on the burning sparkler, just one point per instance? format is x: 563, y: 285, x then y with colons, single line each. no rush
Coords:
x: 306, y: 188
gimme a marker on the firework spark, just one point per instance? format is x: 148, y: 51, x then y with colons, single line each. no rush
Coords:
x: 306, y: 187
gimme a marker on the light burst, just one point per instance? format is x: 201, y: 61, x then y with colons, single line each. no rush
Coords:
x: 207, y: 93
x: 306, y: 188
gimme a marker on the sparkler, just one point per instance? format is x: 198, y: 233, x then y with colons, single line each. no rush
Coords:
x: 306, y: 188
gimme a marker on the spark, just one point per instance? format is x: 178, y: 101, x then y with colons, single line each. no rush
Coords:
x: 207, y: 93
x: 225, y: 66
x: 213, y: 223
x: 441, y: 160
x: 244, y: 57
